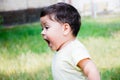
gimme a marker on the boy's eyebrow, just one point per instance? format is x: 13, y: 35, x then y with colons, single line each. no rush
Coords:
x: 42, y: 23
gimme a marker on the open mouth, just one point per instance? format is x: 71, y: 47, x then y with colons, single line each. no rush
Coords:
x: 48, y: 42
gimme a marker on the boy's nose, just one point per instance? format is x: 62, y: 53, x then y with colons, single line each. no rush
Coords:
x: 43, y: 32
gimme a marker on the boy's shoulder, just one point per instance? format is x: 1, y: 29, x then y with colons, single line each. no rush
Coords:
x: 74, y: 47
x: 77, y: 44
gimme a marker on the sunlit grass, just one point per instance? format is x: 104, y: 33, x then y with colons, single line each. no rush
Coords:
x: 25, y: 56
x: 104, y: 51
x: 28, y: 64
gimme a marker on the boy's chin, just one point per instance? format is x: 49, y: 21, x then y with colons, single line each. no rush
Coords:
x: 53, y: 49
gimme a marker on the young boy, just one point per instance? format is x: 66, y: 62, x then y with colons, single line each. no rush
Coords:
x: 61, y: 23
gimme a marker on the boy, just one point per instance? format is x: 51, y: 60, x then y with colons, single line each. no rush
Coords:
x: 61, y: 23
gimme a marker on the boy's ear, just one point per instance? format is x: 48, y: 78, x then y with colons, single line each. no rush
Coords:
x: 66, y: 28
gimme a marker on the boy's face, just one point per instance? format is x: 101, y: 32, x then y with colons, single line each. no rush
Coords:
x: 52, y: 32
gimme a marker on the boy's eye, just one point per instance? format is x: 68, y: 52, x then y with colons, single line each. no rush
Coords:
x: 46, y: 28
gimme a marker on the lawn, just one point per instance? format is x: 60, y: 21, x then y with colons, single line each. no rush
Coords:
x: 25, y: 56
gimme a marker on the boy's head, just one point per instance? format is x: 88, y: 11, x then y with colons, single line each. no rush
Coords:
x: 63, y: 13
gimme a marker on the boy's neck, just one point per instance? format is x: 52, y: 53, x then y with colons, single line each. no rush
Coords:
x: 67, y: 41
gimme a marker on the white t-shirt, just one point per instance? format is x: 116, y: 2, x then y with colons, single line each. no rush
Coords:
x: 64, y: 64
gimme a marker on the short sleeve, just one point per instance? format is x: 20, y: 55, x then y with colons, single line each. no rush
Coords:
x: 79, y: 52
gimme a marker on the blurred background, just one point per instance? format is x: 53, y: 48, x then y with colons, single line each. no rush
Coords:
x: 24, y: 55
x: 23, y: 11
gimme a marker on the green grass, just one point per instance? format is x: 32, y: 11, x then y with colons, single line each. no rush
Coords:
x: 20, y: 39
x: 98, y: 28
x: 25, y: 56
